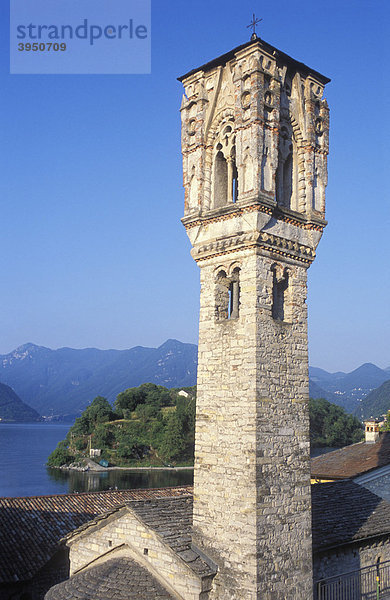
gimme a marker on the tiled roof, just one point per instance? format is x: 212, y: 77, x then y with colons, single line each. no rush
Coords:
x: 353, y: 460
x: 344, y: 512
x: 171, y: 519
x: 117, y: 579
x: 31, y: 528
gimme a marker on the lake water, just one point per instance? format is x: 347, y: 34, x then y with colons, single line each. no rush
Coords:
x: 24, y: 449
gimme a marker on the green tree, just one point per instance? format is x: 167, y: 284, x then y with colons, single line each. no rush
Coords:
x: 185, y: 411
x: 147, y: 393
x: 145, y: 412
x: 331, y: 426
x: 173, y: 440
x: 129, y: 400
x: 156, y: 395
x: 80, y: 444
x: 124, y: 451
x: 157, y: 430
x: 99, y: 411
x: 171, y: 435
x: 102, y: 437
x: 60, y: 456
x: 386, y: 424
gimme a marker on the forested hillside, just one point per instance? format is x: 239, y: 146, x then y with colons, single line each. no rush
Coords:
x: 153, y: 425
x: 12, y: 409
x: 148, y: 425
x: 377, y: 403
x: 331, y: 426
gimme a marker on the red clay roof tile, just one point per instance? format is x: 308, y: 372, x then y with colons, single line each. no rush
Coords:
x: 353, y: 460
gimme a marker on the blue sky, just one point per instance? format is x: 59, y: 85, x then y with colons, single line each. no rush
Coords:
x: 92, y: 249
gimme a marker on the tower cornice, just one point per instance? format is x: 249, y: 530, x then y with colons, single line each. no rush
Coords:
x: 267, y: 206
x: 272, y: 245
x: 264, y: 46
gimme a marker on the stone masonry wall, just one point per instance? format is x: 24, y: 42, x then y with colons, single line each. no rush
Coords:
x: 130, y: 536
x: 225, y: 445
x: 350, y: 558
x: 251, y: 483
x: 283, y: 446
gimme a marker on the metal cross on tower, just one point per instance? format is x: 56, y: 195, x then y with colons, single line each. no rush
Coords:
x: 253, y: 24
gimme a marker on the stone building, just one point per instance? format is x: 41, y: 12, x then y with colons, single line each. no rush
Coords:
x: 33, y: 556
x: 255, y: 143
x: 351, y: 535
x: 136, y: 544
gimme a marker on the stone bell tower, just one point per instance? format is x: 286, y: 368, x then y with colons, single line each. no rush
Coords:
x: 254, y: 142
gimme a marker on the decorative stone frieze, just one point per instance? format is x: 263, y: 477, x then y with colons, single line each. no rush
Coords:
x: 273, y: 243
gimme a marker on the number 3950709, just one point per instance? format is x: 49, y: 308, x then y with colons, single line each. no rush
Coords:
x: 42, y: 47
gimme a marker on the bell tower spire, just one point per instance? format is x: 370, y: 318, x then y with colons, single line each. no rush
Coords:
x: 255, y: 143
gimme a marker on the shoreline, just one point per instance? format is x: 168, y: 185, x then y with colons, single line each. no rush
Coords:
x: 91, y: 467
x: 148, y: 468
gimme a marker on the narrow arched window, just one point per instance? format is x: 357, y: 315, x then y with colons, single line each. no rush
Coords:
x: 288, y: 180
x: 378, y: 564
x: 279, y: 288
x: 264, y: 170
x: 222, y: 296
x: 220, y: 180
x: 227, y: 295
x: 287, y: 171
x: 235, y: 182
x: 234, y: 293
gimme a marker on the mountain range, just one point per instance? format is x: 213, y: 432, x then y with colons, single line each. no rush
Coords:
x: 377, y: 402
x: 351, y: 390
x: 13, y: 410
x: 63, y: 382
